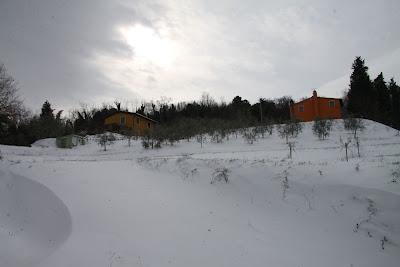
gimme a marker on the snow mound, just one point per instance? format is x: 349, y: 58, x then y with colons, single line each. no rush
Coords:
x: 33, y: 221
x: 47, y: 142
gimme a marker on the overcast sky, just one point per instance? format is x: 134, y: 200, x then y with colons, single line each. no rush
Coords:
x: 73, y: 52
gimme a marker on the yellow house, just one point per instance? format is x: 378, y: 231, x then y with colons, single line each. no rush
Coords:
x: 140, y: 124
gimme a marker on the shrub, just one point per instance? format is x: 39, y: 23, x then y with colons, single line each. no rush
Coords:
x: 269, y: 127
x: 200, y: 138
x: 105, y: 139
x: 145, y: 143
x: 217, y: 136
x: 220, y: 174
x: 250, y: 135
x: 353, y: 124
x: 322, y: 128
x: 396, y: 175
x: 291, y: 129
x: 260, y: 130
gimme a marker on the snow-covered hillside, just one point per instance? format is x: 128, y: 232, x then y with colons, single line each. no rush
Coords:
x: 133, y: 207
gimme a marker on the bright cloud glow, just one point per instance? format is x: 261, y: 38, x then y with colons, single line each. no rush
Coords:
x: 149, y: 47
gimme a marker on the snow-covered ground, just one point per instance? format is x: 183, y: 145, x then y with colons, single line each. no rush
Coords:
x: 132, y: 207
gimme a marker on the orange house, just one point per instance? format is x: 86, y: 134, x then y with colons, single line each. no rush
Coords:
x: 140, y: 124
x: 316, y: 108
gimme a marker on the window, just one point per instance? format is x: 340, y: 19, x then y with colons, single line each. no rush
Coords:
x: 301, y: 108
x: 331, y: 103
x: 122, y: 120
x: 148, y: 125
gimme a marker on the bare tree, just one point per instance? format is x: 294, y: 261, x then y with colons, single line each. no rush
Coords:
x: 207, y: 100
x: 345, y: 144
x: 357, y: 139
x: 200, y: 139
x: 269, y: 127
x: 353, y: 124
x: 129, y: 134
x: 10, y: 104
x: 291, y: 146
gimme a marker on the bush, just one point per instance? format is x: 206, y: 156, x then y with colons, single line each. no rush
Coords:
x: 220, y: 174
x: 157, y: 144
x: 250, y: 135
x: 218, y: 135
x: 353, y: 124
x: 269, y: 127
x: 201, y: 138
x: 145, y: 143
x: 396, y: 175
x: 322, y: 128
x: 260, y: 130
x: 291, y: 129
x: 105, y: 139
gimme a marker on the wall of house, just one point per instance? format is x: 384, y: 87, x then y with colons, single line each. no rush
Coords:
x: 308, y: 112
x: 316, y: 108
x: 327, y: 112
x: 139, y: 124
x: 116, y: 119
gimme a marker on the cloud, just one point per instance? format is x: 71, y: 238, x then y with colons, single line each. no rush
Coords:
x: 389, y: 64
x: 94, y: 51
x: 47, y: 44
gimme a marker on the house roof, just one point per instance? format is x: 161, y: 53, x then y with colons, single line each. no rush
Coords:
x: 318, y: 97
x: 132, y: 113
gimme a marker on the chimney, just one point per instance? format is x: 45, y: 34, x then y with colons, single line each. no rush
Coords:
x: 315, y: 103
x: 314, y: 93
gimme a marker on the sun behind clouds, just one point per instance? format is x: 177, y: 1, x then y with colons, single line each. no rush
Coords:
x: 149, y: 46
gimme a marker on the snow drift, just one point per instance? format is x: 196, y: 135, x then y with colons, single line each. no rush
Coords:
x: 137, y: 207
x: 33, y: 221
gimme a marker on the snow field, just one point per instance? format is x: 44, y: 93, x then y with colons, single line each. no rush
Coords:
x: 133, y: 207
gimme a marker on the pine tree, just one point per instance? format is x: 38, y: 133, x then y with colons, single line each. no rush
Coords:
x: 361, y: 95
x: 394, y: 91
x: 383, y: 99
x: 47, y: 122
x: 47, y: 111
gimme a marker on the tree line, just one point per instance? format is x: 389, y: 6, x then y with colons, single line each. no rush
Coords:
x: 376, y: 100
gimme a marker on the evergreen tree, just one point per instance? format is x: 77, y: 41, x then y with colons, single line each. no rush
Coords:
x: 394, y: 91
x: 48, y: 126
x: 382, y: 98
x: 47, y: 111
x: 361, y: 97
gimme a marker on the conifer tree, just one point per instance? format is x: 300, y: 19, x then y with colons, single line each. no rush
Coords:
x: 47, y: 111
x: 48, y: 125
x: 361, y: 95
x: 394, y: 91
x: 382, y: 99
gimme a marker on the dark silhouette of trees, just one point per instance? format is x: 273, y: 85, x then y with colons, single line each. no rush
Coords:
x: 373, y: 100
x: 382, y: 99
x: 361, y: 97
x: 394, y: 91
